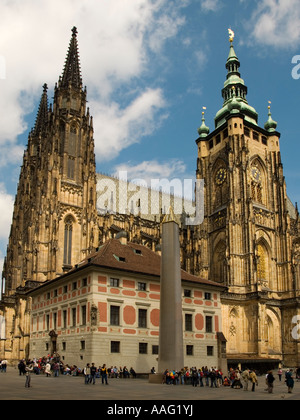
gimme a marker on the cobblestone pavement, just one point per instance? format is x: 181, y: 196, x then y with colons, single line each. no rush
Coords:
x: 12, y: 387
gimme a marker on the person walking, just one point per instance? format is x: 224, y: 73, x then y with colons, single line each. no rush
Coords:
x: 56, y: 369
x: 289, y: 380
x: 87, y: 374
x: 4, y: 365
x: 245, y: 378
x: 93, y: 373
x: 48, y: 369
x: 279, y: 373
x: 29, y: 370
x: 253, y: 380
x: 104, y: 374
x: 270, y: 382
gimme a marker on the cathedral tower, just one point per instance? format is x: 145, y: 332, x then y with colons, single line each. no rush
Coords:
x: 55, y: 218
x: 246, y: 236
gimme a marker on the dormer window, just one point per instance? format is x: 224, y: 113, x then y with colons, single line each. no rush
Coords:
x: 121, y: 259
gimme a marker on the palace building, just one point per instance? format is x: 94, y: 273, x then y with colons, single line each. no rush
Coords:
x: 107, y: 309
x: 248, y: 243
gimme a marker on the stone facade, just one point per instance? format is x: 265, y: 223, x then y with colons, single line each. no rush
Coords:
x: 248, y: 242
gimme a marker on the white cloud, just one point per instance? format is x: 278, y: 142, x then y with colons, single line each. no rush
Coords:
x: 149, y: 170
x: 210, y: 5
x: 116, y: 128
x: 115, y: 38
x: 10, y: 154
x: 169, y: 176
x: 6, y: 207
x: 1, y: 268
x: 276, y: 23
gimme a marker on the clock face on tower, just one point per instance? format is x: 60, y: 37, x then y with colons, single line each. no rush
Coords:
x: 221, y: 176
x: 255, y: 174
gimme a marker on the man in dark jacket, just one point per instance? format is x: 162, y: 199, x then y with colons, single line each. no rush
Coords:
x: 21, y: 367
x: 270, y: 382
x: 93, y: 373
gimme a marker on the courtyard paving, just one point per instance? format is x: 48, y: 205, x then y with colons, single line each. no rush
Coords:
x: 12, y: 387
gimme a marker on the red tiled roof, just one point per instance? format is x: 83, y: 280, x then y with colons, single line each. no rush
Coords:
x: 132, y: 258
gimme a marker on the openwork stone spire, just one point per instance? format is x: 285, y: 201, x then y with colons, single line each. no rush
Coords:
x: 71, y: 72
x: 42, y: 116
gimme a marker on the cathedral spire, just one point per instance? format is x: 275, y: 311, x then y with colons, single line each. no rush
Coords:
x: 42, y: 116
x: 71, y: 72
x: 235, y: 91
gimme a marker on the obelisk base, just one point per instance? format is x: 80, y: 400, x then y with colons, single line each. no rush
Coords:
x: 156, y: 378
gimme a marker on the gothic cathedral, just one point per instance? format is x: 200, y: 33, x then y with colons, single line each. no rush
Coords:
x: 249, y: 240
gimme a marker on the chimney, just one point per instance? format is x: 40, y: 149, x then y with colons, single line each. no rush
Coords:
x: 122, y: 237
x: 158, y: 249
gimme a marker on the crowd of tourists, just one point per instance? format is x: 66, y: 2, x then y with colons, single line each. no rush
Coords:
x: 53, y: 366
x: 246, y: 379
x: 236, y: 379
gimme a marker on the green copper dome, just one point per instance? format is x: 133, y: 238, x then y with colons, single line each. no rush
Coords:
x: 234, y: 93
x: 203, y: 131
x: 270, y: 125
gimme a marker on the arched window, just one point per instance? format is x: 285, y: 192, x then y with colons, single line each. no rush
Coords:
x: 62, y: 136
x: 68, y: 240
x: 72, y: 141
x: 257, y: 195
x: 263, y: 265
x: 258, y: 183
x: 218, y: 266
x: 220, y: 193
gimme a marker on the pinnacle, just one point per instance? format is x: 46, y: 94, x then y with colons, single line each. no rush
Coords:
x: 42, y: 116
x: 71, y: 72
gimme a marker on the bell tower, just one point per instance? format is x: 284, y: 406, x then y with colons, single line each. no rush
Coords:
x: 245, y: 238
x: 55, y: 219
x: 74, y: 164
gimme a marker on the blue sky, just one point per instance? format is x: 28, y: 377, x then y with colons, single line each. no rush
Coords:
x: 149, y: 67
